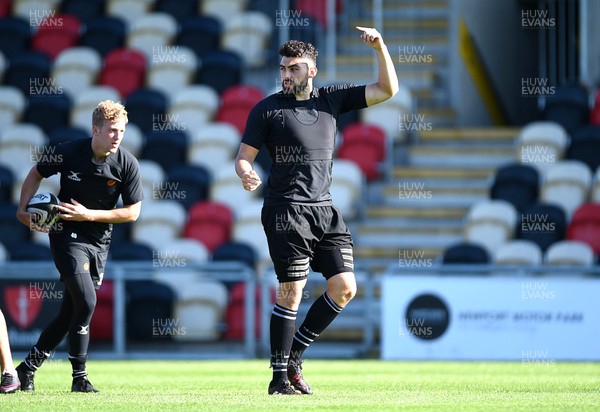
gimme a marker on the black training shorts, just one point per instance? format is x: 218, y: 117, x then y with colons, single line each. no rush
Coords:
x: 73, y: 256
x: 300, y: 236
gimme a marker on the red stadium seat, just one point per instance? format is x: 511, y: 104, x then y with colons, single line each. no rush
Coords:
x: 595, y: 112
x: 210, y: 223
x: 56, y: 34
x: 5, y: 6
x: 236, y: 103
x: 585, y: 225
x: 235, y: 314
x: 102, y: 321
x: 364, y: 144
x: 317, y: 9
x: 124, y: 69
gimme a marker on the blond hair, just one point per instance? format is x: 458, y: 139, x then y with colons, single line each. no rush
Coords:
x: 108, y: 110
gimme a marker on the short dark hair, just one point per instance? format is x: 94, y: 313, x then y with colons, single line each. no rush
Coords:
x: 297, y: 48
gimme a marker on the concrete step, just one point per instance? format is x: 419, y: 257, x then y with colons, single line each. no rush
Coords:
x: 445, y: 173
x: 473, y: 156
x: 421, y: 193
x: 427, y: 211
x: 470, y: 134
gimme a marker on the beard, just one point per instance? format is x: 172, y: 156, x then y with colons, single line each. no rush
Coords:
x: 297, y: 87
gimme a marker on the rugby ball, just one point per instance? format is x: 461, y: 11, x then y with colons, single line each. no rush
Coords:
x: 41, y: 207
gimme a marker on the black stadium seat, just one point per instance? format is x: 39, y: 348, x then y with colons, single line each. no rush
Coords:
x: 465, y: 253
x: 29, y: 251
x: 193, y: 181
x: 7, y: 180
x: 237, y: 252
x: 180, y: 9
x: 585, y: 146
x: 168, y: 149
x: 147, y: 302
x: 543, y: 224
x: 15, y: 36
x: 130, y: 251
x: 49, y: 111
x: 202, y: 34
x: 147, y: 109
x: 104, y: 34
x: 11, y: 230
x: 29, y: 69
x: 517, y: 184
x: 568, y: 106
x: 220, y: 70
x: 84, y: 10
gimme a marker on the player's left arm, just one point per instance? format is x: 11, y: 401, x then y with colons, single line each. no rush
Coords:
x: 387, y: 80
x: 77, y: 212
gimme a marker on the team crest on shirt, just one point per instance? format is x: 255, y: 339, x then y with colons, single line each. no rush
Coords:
x: 111, y: 182
x: 74, y: 176
x: 86, y: 266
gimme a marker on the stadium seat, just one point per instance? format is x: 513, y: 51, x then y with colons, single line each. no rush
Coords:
x: 202, y: 34
x: 518, y: 252
x: 465, y: 253
x: 247, y: 34
x: 585, y: 146
x: 567, y: 184
x: 187, y: 184
x: 585, y: 226
x: 210, y: 223
x: 76, y: 69
x: 200, y: 308
x: 317, y: 9
x: 220, y: 70
x: 490, y: 223
x: 125, y: 70
x: 130, y: 251
x: 236, y: 252
x: 102, y: 323
x: 569, y: 253
x: 84, y: 10
x: 104, y: 34
x: 388, y: 114
x: 347, y: 182
x: 16, y: 144
x: 152, y: 34
x: 542, y: 143
x: 167, y: 148
x: 226, y: 188
x: 147, y: 109
x: 121, y: 233
x: 236, y: 103
x: 148, y: 304
x: 153, y: 178
x: 5, y: 6
x: 56, y: 34
x: 568, y: 106
x: 365, y: 145
x: 3, y: 64
x: 517, y: 184
x: 235, y: 315
x: 29, y: 251
x: 543, y: 224
x: 12, y: 105
x: 28, y: 72
x: 159, y: 223
x: 66, y: 134
x: 34, y: 10
x: 595, y: 112
x: 11, y: 230
x: 15, y: 36
x: 49, y: 111
x: 247, y: 228
x: 222, y: 9
x: 7, y: 180
x: 3, y: 253
x: 214, y: 144
x: 171, y: 70
x: 185, y: 251
x: 181, y: 10
x: 128, y: 10
x: 193, y: 107
x: 86, y: 101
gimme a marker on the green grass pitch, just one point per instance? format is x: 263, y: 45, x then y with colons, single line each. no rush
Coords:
x: 342, y: 385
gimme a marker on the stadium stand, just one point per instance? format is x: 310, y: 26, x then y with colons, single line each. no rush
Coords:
x: 236, y: 103
x: 171, y: 70
x: 49, y: 111
x: 167, y: 148
x: 567, y: 184
x: 542, y: 143
x: 202, y: 34
x: 236, y: 252
x: 147, y: 300
x: 187, y: 184
x: 223, y: 9
x: 585, y: 226
x: 220, y: 69
x: 11, y: 230
x: 6, y: 184
x: 129, y: 251
x: 193, y: 107
x: 85, y: 102
x: 365, y: 145
x: 181, y: 10
x: 247, y: 34
x: 247, y: 228
x: 147, y: 109
x: 15, y: 36
x: 76, y: 69
x: 153, y: 177
x: 347, y: 182
x: 128, y: 10
x: 518, y: 252
x: 28, y: 71
x: 490, y: 223
x: 152, y: 33
x: 56, y: 34
x: 388, y: 114
x: 135, y: 140
x: 543, y: 224
x: 585, y: 146
x: 124, y: 70
x: 84, y: 10
x: 159, y: 223
x: 210, y: 223
x: 568, y: 106
x: 15, y: 146
x: 225, y: 189
x: 595, y: 194
x: 12, y: 106
x: 569, y: 253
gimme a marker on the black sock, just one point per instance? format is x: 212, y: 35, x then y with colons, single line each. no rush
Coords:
x: 283, y: 324
x: 35, y: 358
x: 78, y: 363
x: 322, y: 312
